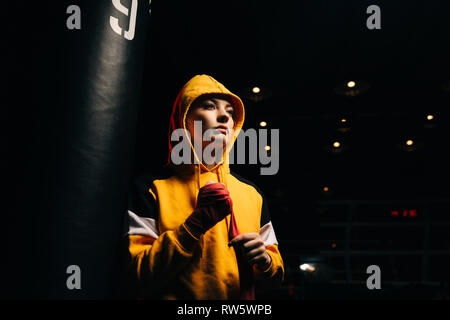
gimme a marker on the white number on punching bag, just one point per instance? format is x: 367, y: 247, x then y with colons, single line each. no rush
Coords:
x: 114, y: 22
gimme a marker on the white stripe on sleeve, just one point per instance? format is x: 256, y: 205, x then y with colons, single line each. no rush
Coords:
x: 141, y: 226
x: 268, y: 234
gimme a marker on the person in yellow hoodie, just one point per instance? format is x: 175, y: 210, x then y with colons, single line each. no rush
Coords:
x: 196, y: 230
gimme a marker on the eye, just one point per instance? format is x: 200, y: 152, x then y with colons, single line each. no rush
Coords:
x: 230, y: 111
x: 208, y: 106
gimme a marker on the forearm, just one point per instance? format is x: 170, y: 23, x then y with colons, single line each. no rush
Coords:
x: 272, y: 275
x: 157, y: 263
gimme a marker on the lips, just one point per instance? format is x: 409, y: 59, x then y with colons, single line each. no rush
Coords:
x: 222, y: 129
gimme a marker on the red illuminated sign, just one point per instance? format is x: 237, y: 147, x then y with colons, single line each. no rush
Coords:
x: 406, y: 213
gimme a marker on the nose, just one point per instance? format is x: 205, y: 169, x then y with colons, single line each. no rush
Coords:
x: 223, y: 116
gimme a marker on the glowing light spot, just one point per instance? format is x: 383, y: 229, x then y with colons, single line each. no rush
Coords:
x: 256, y: 90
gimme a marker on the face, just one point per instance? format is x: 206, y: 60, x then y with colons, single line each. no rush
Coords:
x: 215, y: 113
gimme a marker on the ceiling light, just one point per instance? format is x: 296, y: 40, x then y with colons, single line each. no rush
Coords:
x: 255, y: 93
x: 307, y: 267
x: 263, y: 123
x: 430, y: 117
x: 267, y: 148
x: 350, y: 89
x: 343, y: 125
x: 409, y: 142
x: 336, y: 144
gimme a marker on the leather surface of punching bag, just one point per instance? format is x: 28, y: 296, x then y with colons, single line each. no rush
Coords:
x: 89, y: 112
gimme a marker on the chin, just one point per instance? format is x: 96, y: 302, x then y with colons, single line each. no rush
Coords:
x: 219, y: 140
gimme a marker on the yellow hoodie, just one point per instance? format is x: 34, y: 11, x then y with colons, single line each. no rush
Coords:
x: 165, y: 260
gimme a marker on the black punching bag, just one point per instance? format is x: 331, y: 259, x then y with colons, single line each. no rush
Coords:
x: 88, y: 145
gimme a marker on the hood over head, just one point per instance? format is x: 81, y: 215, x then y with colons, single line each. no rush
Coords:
x: 198, y: 86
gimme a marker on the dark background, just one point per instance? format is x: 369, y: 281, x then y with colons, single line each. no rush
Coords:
x: 298, y: 53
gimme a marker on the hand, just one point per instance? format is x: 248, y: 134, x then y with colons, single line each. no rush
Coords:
x: 215, y: 197
x: 213, y: 205
x: 253, y: 249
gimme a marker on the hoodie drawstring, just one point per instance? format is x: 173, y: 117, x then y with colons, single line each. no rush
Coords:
x: 197, y: 191
x: 197, y: 177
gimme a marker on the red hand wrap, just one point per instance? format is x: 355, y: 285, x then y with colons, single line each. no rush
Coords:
x: 213, y: 204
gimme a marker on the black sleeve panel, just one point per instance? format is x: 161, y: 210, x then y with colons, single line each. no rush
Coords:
x: 265, y: 215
